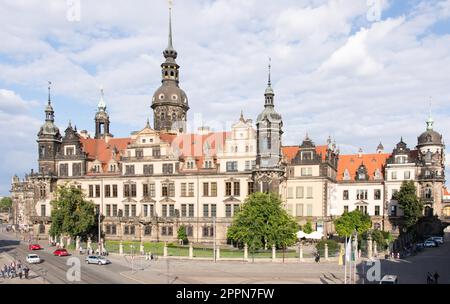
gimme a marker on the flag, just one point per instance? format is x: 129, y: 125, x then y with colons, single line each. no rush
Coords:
x: 348, y: 249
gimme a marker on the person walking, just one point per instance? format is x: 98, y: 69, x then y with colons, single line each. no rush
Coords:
x: 429, y: 278
x: 26, y: 270
x: 436, y: 278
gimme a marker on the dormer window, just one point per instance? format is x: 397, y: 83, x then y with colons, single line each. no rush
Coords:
x: 346, y: 175
x: 377, y: 174
x: 112, y: 168
x: 208, y: 164
x: 307, y: 155
x: 144, y: 140
x: 190, y: 164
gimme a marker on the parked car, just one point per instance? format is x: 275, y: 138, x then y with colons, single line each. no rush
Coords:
x: 33, y: 258
x: 97, y: 259
x: 437, y: 239
x: 61, y: 252
x: 34, y: 247
x: 420, y: 245
x: 389, y: 279
x: 430, y: 243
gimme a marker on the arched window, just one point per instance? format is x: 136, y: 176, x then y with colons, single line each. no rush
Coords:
x: 174, y: 116
x: 163, y: 116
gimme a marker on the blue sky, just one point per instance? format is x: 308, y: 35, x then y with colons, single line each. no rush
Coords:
x: 336, y: 71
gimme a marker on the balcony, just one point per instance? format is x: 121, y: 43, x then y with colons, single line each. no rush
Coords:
x: 39, y: 219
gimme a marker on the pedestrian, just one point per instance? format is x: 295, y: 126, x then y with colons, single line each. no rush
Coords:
x: 317, y: 257
x: 436, y: 278
x: 26, y: 270
x: 20, y: 274
x: 429, y: 278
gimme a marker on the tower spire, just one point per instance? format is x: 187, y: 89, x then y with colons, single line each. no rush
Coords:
x: 430, y: 120
x: 269, y: 83
x: 170, y: 24
x: 101, y: 104
x: 170, y: 52
x: 49, y: 91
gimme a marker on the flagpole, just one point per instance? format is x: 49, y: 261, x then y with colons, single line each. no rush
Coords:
x: 345, y: 262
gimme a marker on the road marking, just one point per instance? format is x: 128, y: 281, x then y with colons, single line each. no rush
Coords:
x: 131, y: 278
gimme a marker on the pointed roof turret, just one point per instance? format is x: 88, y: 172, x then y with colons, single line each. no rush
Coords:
x: 101, y: 104
x: 170, y: 53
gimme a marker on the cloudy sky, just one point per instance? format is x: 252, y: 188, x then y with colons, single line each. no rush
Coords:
x: 359, y: 70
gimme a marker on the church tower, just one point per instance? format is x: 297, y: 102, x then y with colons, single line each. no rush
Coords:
x: 431, y: 169
x: 101, y: 119
x: 170, y: 103
x: 49, y: 140
x: 269, y: 170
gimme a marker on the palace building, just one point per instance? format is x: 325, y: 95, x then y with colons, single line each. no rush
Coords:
x: 149, y: 184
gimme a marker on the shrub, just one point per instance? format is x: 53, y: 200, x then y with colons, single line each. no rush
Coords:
x: 333, y: 247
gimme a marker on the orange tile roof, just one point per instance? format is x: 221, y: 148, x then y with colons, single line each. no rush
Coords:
x: 353, y: 161
x: 290, y: 152
x: 446, y: 193
x: 99, y: 149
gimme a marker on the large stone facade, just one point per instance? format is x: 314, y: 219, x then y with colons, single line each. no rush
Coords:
x: 161, y: 177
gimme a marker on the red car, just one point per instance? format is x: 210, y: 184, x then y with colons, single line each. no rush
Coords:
x: 34, y: 247
x: 61, y: 252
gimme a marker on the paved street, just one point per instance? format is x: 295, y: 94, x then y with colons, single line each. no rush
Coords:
x: 413, y: 270
x: 54, y: 269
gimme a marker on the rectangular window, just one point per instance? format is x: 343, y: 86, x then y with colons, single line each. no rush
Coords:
x: 377, y: 210
x: 407, y: 174
x: 191, y: 189
x: 91, y: 190
x: 236, y: 208
x: 133, y: 190
x: 214, y: 189
x: 227, y: 188
x: 191, y: 210
x: 213, y: 210
x: 232, y: 166
x: 127, y: 210
x: 151, y: 210
x: 139, y: 154
x: 145, y: 190
x: 361, y: 194
x: 107, y: 190
x: 114, y: 211
x: 151, y: 190
x: 129, y: 169
x: 299, y: 192
x: 309, y: 192
x: 299, y: 209
x: 164, y: 210
x: 76, y: 169
x: 205, y: 189
x: 171, y: 210
x: 393, y: 210
x: 205, y: 210
x: 97, y: 190
x: 167, y: 168
x: 227, y: 210
x: 148, y: 169
x: 43, y: 211
x: 237, y: 188
x: 247, y: 165
x: 183, y: 189
x: 345, y: 195
x: 145, y: 210
x: 394, y: 192
x: 309, y: 210
x: 165, y: 190
x: 394, y: 175
x: 290, y: 193
x: 133, y: 210
x: 172, y: 189
x: 183, y: 210
x: 108, y: 210
x: 377, y: 194
x: 345, y: 208
x: 306, y: 171
x: 126, y: 190
x: 189, y: 230
x: 156, y: 152
x: 251, y: 188
x: 114, y: 190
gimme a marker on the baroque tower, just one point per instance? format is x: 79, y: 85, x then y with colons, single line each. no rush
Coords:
x: 431, y: 168
x: 170, y: 103
x: 269, y: 169
x: 101, y: 119
x: 49, y: 140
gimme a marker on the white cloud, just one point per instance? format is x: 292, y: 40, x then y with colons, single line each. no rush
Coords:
x: 333, y: 72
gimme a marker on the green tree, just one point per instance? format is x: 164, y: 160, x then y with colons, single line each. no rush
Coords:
x: 262, y: 222
x: 5, y: 203
x: 353, y: 221
x: 72, y: 214
x: 181, y: 234
x: 307, y: 228
x: 410, y: 203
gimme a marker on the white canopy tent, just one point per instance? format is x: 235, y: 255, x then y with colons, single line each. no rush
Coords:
x: 312, y: 236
